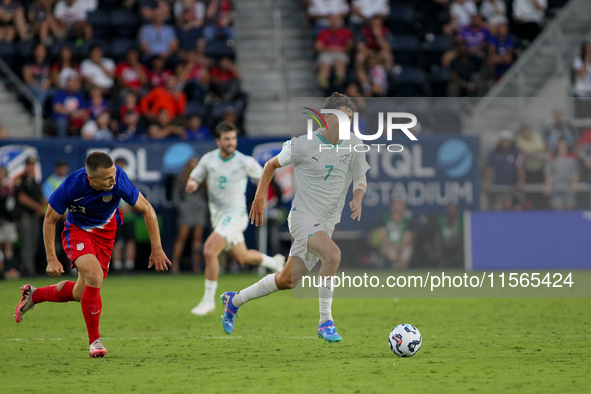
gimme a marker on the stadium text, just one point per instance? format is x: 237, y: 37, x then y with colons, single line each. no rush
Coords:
x: 137, y: 163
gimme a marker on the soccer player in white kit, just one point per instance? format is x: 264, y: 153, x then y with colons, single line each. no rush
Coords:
x: 324, y: 168
x: 227, y: 171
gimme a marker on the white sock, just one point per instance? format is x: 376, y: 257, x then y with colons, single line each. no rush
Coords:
x: 268, y: 262
x: 129, y: 264
x: 325, y: 295
x: 260, y: 289
x: 210, y: 289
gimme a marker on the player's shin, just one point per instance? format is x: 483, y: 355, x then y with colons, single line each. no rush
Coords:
x: 325, y: 295
x: 263, y: 287
x: 55, y: 293
x: 210, y: 290
x: 91, y: 309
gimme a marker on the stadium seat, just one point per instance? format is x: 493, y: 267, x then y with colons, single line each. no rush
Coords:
x: 438, y: 80
x: 405, y: 49
x: 119, y: 46
x: 124, y: 24
x: 433, y: 50
x: 196, y: 108
x: 219, y: 48
x: 24, y: 49
x: 401, y: 19
x: 99, y: 20
x: 109, y: 4
x: 81, y: 52
x: 7, y: 53
x: 410, y: 82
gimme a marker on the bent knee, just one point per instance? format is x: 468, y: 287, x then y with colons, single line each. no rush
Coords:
x: 209, y: 253
x: 333, y: 259
x: 94, y: 279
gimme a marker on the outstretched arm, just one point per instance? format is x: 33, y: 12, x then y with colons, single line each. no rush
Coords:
x: 54, y: 267
x: 258, y: 205
x: 158, y: 258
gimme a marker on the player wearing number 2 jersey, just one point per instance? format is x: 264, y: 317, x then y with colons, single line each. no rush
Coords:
x: 227, y: 171
x: 91, y: 195
x: 324, y: 168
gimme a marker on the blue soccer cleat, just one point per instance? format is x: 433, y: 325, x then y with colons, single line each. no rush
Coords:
x: 328, y: 332
x: 230, y: 311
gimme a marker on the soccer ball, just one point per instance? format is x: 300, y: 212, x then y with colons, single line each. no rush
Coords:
x: 405, y: 340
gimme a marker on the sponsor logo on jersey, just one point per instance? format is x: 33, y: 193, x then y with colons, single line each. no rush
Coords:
x: 344, y: 158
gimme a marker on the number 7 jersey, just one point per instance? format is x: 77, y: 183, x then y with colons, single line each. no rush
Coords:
x: 323, y: 173
x: 226, y: 181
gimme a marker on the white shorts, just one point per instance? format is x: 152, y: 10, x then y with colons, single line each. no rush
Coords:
x: 302, y: 226
x: 232, y: 228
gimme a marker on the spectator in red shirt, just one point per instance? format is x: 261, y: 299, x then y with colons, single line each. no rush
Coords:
x: 373, y: 39
x: 333, y: 46
x: 194, y: 75
x: 584, y: 151
x: 221, y: 13
x: 225, y: 80
x: 159, y: 74
x: 172, y: 99
x: 131, y: 74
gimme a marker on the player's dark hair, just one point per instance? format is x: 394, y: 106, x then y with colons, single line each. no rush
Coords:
x: 337, y: 100
x: 224, y: 127
x: 97, y: 160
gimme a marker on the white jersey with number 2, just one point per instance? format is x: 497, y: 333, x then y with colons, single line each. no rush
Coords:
x: 226, y: 182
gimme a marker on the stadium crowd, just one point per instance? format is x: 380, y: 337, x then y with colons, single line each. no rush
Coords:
x: 557, y: 160
x: 421, y: 48
x: 149, y: 69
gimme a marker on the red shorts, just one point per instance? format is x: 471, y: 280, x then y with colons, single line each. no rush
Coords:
x: 77, y: 242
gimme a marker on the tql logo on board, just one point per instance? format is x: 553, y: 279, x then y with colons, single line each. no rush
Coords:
x: 344, y: 123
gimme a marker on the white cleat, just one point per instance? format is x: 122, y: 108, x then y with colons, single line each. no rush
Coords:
x: 203, y: 308
x: 97, y: 349
x: 280, y: 261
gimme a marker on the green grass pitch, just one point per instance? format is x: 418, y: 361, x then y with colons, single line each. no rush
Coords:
x: 156, y: 345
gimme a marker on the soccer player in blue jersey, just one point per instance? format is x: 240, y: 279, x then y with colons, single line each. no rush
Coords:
x: 92, y: 195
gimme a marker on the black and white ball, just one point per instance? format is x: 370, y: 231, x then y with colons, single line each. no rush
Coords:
x: 405, y: 340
